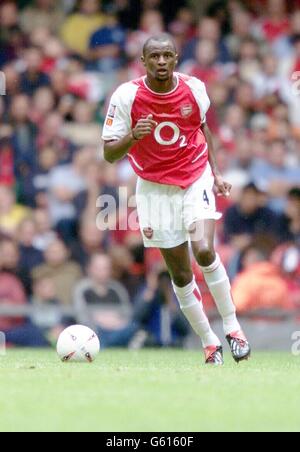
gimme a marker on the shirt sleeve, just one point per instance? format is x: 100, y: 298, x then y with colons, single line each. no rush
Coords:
x: 199, y: 91
x: 118, y: 119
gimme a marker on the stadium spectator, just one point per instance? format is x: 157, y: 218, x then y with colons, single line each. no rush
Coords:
x: 287, y: 257
x: 92, y: 241
x: 269, y: 83
x: 58, y: 267
x: 50, y: 135
x: 157, y: 313
x: 204, y: 66
x: 30, y: 256
x: 238, y: 172
x: 12, y: 82
x: 7, y: 176
x: 104, y: 305
x: 46, y: 309
x: 33, y: 77
x: 41, y: 14
x: 59, y: 86
x: 66, y: 182
x: 244, y: 97
x: 151, y: 23
x: 241, y: 32
x: 44, y: 235
x: 275, y: 174
x: 11, y: 213
x: 182, y: 27
x: 38, y: 37
x: 283, y: 47
x: 208, y: 29
x: 261, y: 286
x: 35, y: 182
x: 43, y: 102
x: 289, y: 222
x: 9, y: 31
x: 18, y: 330
x: 248, y: 218
x: 82, y: 130
x: 80, y: 25
x: 106, y: 46
x: 11, y: 293
x: 10, y: 258
x: 276, y: 23
x: 54, y: 55
x: 126, y: 269
x: 248, y: 60
x: 24, y: 134
x: 234, y: 124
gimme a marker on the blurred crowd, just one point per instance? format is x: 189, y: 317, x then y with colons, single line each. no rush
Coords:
x: 61, y: 61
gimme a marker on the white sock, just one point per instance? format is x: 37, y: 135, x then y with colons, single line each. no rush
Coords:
x: 219, y: 285
x: 190, y: 301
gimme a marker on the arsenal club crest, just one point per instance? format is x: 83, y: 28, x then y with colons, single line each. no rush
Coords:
x: 186, y: 110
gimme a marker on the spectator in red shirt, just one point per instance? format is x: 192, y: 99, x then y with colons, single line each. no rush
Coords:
x: 12, y: 293
x: 18, y: 330
x: 276, y: 24
x: 6, y: 164
x: 204, y: 66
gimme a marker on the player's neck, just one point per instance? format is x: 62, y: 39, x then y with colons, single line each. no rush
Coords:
x: 161, y: 86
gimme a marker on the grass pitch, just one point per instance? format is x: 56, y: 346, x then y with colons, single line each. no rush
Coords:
x: 158, y: 391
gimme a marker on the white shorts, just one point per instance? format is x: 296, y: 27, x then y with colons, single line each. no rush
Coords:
x: 167, y: 213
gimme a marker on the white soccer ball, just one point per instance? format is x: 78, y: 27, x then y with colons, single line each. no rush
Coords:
x: 78, y: 343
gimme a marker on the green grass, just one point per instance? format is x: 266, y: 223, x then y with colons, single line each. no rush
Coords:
x: 148, y: 391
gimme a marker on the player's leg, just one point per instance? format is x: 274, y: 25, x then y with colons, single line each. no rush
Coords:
x: 219, y: 285
x: 190, y: 300
x: 215, y: 276
x: 165, y: 203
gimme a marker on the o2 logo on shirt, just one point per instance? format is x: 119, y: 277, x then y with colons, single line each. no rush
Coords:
x: 176, y: 135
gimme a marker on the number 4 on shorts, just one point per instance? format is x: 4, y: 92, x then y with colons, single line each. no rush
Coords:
x: 205, y: 197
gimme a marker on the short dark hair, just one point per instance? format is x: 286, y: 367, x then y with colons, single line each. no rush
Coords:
x: 254, y: 187
x: 162, y: 37
x: 295, y: 38
x: 294, y: 193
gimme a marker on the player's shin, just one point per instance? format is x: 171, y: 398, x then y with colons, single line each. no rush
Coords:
x: 219, y: 285
x: 190, y: 301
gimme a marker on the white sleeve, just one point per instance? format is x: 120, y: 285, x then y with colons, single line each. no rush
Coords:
x: 199, y: 91
x: 118, y: 119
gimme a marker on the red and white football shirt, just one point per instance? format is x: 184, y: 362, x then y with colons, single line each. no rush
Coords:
x: 176, y: 153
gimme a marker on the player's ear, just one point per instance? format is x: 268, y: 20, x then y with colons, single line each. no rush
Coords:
x: 143, y: 60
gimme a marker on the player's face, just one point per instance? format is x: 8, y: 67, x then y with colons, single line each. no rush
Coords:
x: 160, y: 61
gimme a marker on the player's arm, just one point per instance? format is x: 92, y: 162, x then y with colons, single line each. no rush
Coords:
x: 115, y: 150
x: 223, y: 187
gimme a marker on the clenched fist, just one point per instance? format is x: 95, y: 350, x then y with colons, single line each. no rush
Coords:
x: 144, y: 127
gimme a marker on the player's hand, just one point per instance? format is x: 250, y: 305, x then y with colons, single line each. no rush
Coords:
x: 223, y: 188
x: 144, y: 127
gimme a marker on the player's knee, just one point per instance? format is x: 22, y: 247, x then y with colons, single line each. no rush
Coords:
x: 182, y: 278
x: 205, y: 255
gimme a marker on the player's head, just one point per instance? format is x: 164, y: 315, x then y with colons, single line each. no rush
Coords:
x: 160, y: 57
